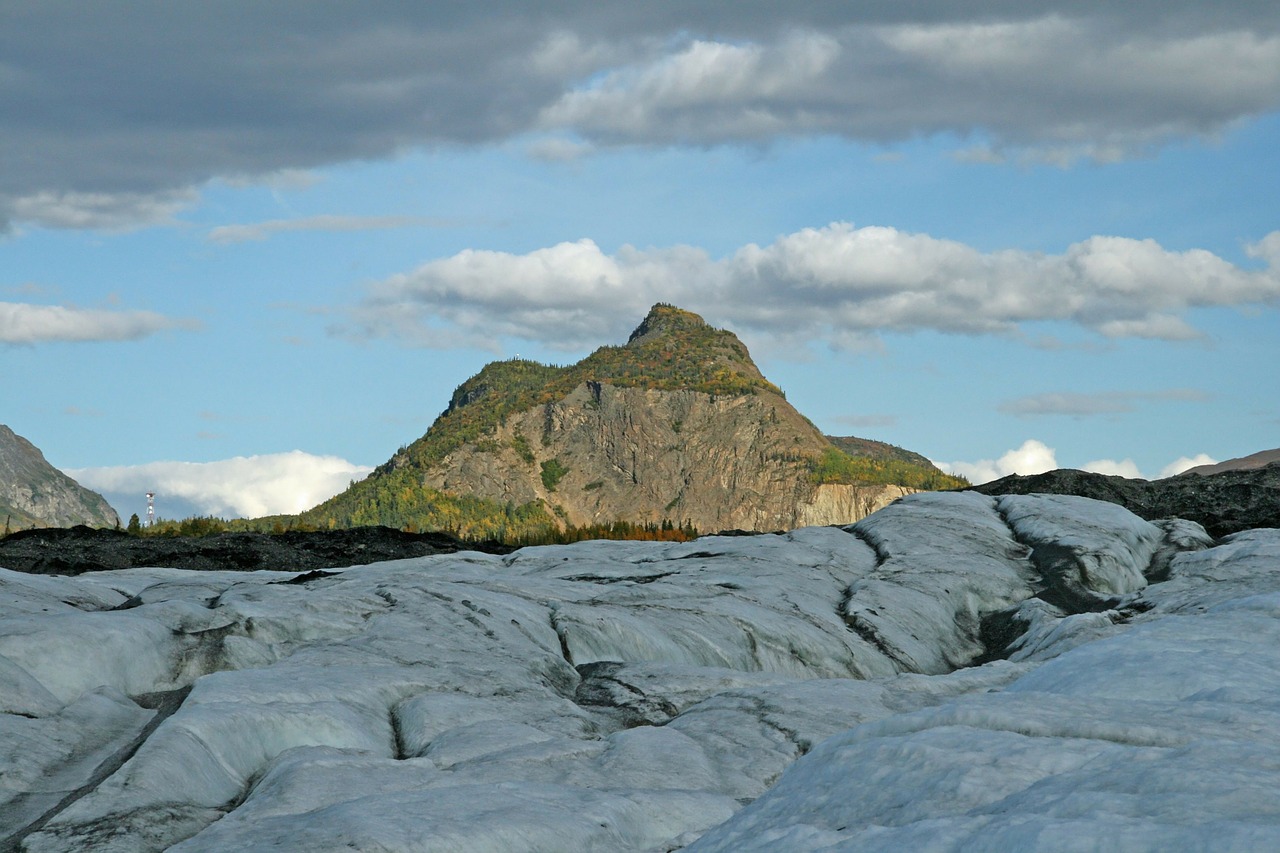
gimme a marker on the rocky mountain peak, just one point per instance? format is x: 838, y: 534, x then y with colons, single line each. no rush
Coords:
x: 664, y: 319
x: 677, y: 426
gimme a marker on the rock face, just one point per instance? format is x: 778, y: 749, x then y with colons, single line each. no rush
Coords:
x: 677, y: 425
x: 955, y: 672
x: 35, y: 494
x: 718, y: 462
x: 1227, y: 502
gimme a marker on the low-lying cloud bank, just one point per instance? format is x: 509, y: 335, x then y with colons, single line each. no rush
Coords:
x: 838, y: 283
x: 245, y: 486
x: 1035, y: 457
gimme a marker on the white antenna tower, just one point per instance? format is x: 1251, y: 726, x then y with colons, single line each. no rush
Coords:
x: 151, y: 509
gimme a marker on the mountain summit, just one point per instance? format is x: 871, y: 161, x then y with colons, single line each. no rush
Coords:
x: 35, y: 494
x: 678, y: 425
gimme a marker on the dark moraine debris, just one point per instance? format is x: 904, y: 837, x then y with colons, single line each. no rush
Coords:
x: 75, y: 550
x: 1224, y: 503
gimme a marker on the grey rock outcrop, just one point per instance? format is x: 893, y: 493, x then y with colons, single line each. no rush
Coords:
x: 35, y: 494
x: 647, y: 455
x: 1224, y: 503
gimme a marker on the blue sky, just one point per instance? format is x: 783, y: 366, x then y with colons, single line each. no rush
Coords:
x: 249, y: 251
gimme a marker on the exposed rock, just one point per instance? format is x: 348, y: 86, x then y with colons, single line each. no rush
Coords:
x: 35, y: 494
x: 645, y: 455
x: 72, y: 551
x: 1224, y: 503
x: 678, y: 425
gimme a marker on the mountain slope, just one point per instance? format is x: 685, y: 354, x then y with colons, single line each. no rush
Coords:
x: 1260, y: 459
x: 35, y: 494
x: 677, y: 425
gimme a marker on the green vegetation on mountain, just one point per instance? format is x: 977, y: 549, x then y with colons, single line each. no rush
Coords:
x: 865, y: 447
x: 511, y: 430
x: 836, y: 466
x: 397, y: 498
x: 469, y: 519
x: 672, y: 350
x: 552, y: 472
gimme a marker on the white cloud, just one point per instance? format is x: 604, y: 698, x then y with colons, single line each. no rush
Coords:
x: 568, y: 296
x: 248, y: 487
x: 706, y: 88
x: 22, y: 323
x: 839, y: 283
x: 1182, y: 463
x: 118, y: 211
x: 262, y: 230
x: 1033, y: 457
x: 1124, y: 468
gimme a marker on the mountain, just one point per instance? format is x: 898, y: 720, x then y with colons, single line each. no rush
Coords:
x: 676, y: 426
x: 1260, y: 459
x: 35, y: 494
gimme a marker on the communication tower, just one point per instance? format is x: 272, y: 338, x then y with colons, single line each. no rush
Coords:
x: 151, y: 509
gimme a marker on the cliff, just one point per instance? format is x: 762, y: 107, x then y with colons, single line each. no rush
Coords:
x: 35, y: 494
x: 678, y: 426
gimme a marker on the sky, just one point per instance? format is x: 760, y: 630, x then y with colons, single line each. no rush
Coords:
x: 247, y: 250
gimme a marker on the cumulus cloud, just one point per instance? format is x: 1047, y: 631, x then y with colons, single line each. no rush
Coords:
x: 1033, y: 457
x: 839, y: 283
x: 226, y: 234
x: 1123, y: 468
x: 247, y: 487
x: 22, y: 323
x: 110, y: 115
x: 1183, y: 463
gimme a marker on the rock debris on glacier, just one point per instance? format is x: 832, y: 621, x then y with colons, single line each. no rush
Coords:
x: 817, y: 690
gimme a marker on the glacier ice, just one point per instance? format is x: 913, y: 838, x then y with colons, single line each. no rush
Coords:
x: 954, y: 672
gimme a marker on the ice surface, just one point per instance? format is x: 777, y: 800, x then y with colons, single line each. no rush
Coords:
x: 635, y: 696
x: 1087, y: 549
x: 1163, y: 736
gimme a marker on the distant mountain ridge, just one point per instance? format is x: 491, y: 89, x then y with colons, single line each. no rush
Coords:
x: 1260, y: 459
x: 35, y: 494
x: 678, y: 426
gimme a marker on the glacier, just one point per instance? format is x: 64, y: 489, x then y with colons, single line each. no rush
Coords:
x: 954, y: 672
